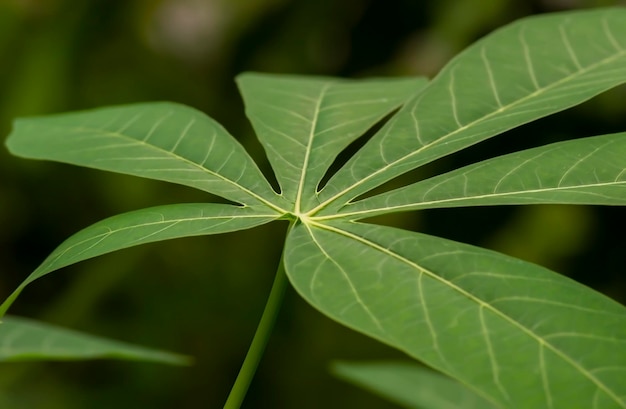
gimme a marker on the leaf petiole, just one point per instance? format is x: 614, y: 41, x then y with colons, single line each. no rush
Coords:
x: 260, y: 339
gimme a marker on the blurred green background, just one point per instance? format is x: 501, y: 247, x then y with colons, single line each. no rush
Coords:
x: 203, y: 296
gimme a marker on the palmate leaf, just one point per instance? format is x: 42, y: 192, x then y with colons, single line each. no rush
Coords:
x: 529, y: 69
x: 305, y: 122
x: 146, y: 226
x: 583, y: 171
x: 516, y: 332
x: 410, y: 385
x: 23, y: 340
x: 163, y: 141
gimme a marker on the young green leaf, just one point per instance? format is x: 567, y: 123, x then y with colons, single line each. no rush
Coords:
x: 305, y: 122
x: 22, y: 339
x: 584, y: 171
x: 524, y: 71
x: 410, y: 385
x: 500, y: 325
x: 145, y: 226
x: 163, y: 141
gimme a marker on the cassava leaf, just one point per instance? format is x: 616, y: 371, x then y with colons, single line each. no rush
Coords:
x: 410, y: 385
x: 515, y: 332
x: 524, y: 71
x: 145, y: 226
x: 164, y: 141
x: 583, y: 171
x: 500, y: 325
x: 305, y: 122
x: 23, y: 339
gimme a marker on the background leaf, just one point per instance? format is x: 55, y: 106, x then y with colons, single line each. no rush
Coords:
x: 522, y: 72
x: 410, y: 385
x: 305, y: 122
x: 145, y: 226
x: 500, y: 325
x: 583, y: 171
x: 163, y: 141
x: 22, y: 339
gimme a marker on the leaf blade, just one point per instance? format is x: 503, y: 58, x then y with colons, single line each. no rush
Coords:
x: 163, y: 141
x: 463, y: 310
x: 410, y: 385
x: 517, y: 74
x: 305, y: 122
x: 583, y: 171
x: 145, y: 226
x: 23, y: 339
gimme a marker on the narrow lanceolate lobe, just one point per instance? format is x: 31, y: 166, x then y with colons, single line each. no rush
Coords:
x: 163, y: 141
x: 304, y: 123
x: 500, y: 325
x: 146, y: 226
x: 150, y: 225
x: 522, y: 72
x: 583, y: 171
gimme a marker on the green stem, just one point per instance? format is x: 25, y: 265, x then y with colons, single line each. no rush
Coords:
x: 261, y: 336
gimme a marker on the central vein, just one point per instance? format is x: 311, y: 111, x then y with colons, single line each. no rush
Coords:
x: 307, y: 154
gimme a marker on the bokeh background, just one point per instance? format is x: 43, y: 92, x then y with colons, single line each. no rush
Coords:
x: 203, y: 296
